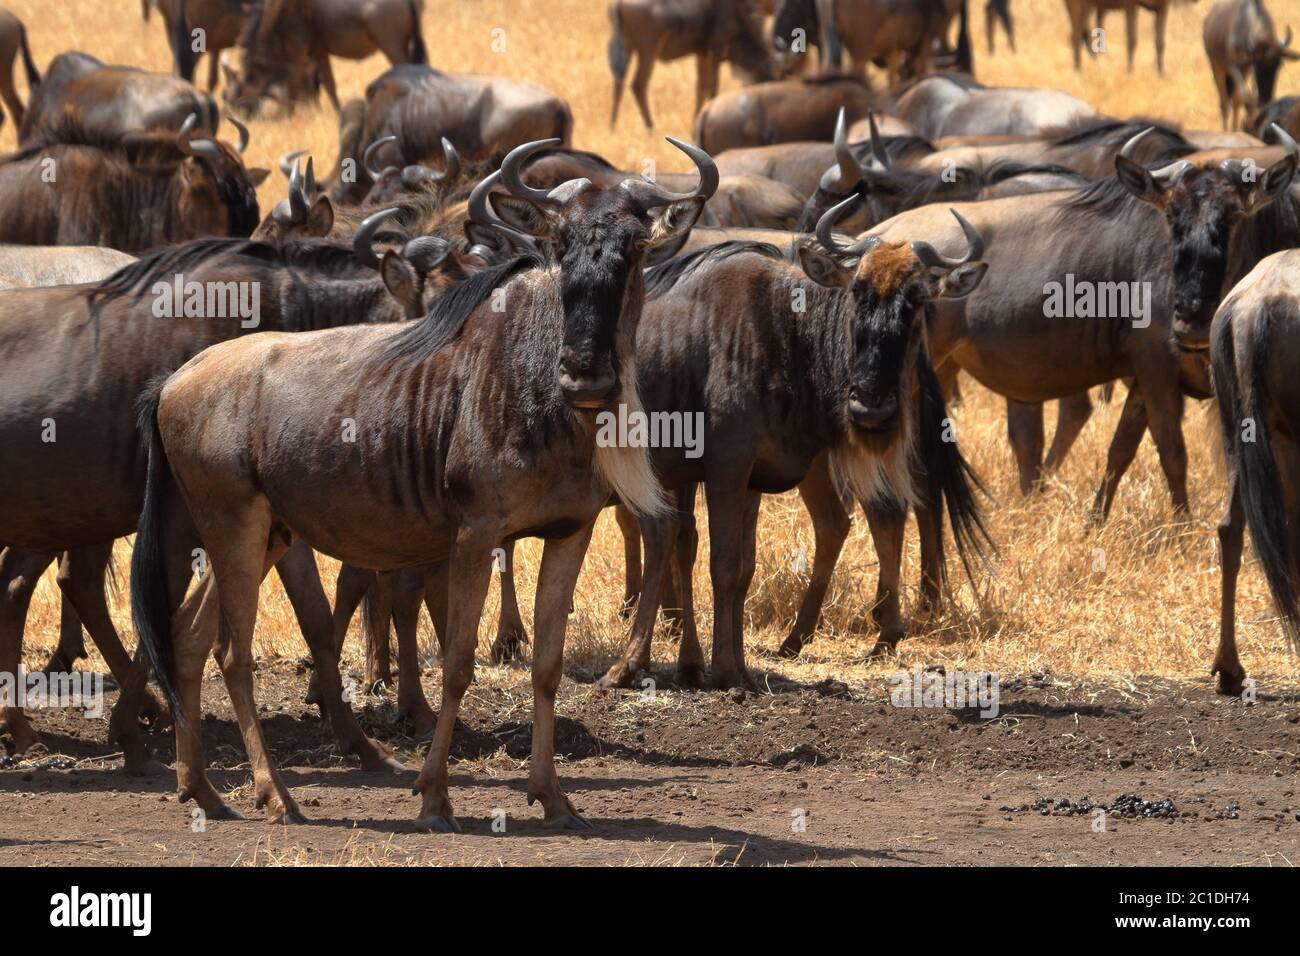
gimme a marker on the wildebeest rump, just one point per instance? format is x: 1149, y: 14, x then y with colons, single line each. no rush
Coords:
x: 221, y: 23
x: 1245, y: 55
x: 780, y: 112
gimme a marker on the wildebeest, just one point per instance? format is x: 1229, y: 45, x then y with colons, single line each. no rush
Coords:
x: 22, y: 267
x: 480, y: 115
x: 781, y: 111
x: 1080, y: 36
x: 859, y: 390
x: 78, y: 358
x: 288, y: 44
x: 1253, y: 342
x: 1245, y: 56
x: 83, y: 100
x: 149, y: 190
x: 507, y: 404
x: 713, y: 31
x: 13, y: 40
x: 995, y: 12
x: 221, y: 23
x: 945, y: 105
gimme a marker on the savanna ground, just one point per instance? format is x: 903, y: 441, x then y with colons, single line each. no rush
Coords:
x: 1102, y: 639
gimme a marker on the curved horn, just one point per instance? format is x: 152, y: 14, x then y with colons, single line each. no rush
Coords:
x: 1130, y: 147
x: 285, y: 162
x: 1284, y: 140
x: 194, y: 147
x: 297, y: 201
x: 426, y: 252
x: 481, y: 213
x: 931, y: 257
x: 648, y: 195
x: 844, y: 175
x: 361, y: 242
x: 243, y: 132
x: 313, y: 189
x: 451, y: 160
x: 825, y: 231
x: 1286, y: 44
x: 1165, y: 174
x: 511, y: 179
x: 368, y: 155
x: 878, y: 151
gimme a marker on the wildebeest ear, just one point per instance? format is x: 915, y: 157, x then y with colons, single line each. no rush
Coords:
x: 1137, y: 179
x: 320, y: 218
x: 675, y: 222
x: 401, y: 280
x: 257, y: 175
x: 522, y: 214
x: 1273, y: 183
x: 963, y: 280
x: 822, y: 268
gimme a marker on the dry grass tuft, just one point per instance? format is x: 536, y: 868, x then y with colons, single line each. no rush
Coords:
x: 1138, y: 597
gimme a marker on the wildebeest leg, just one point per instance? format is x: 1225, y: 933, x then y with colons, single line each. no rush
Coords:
x: 627, y: 524
x: 690, y: 656
x: 350, y: 588
x: 1164, y: 404
x: 1123, y: 446
x: 1221, y: 87
x: 706, y: 79
x: 1227, y: 665
x: 1025, y: 433
x: 297, y: 570
x: 658, y: 534
x: 830, y: 527
x: 81, y: 578
x: 10, y: 97
x: 1162, y: 16
x: 242, y: 551
x: 645, y: 67
x: 1130, y: 32
x: 1240, y: 95
x: 435, y: 601
x: 376, y: 615
x: 408, y: 591
x: 19, y: 572
x: 748, y: 561
x: 468, y: 577
x: 561, y: 562
x: 71, y: 647
x: 730, y: 505
x: 214, y: 69
x: 511, y: 633
x: 1072, y: 414
x: 326, y: 74
x: 887, y: 522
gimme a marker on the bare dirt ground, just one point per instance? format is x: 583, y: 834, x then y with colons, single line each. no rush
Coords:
x: 803, y: 773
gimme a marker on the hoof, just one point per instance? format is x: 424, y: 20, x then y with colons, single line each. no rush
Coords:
x: 146, y: 768
x: 225, y: 812
x: 616, y: 677
x: 292, y: 818
x: 690, y: 675
x: 882, y: 649
x: 436, y: 824
x: 791, y: 648
x: 1228, y: 683
x: 567, y: 821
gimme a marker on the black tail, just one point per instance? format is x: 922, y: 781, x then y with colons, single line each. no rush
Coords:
x: 949, y: 483
x: 1254, y: 466
x: 33, y: 74
x: 183, y: 57
x: 151, y: 610
x: 417, y: 53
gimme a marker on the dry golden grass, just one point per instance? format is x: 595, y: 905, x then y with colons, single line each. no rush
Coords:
x: 1154, y: 608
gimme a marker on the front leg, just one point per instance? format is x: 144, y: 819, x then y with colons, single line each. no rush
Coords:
x: 561, y: 561
x: 468, y: 576
x: 730, y: 506
x: 1227, y: 665
x: 326, y: 74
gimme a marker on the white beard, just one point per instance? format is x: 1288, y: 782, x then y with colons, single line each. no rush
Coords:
x: 628, y: 471
x: 875, y: 477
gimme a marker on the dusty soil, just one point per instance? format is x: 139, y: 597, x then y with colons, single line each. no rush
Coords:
x: 825, y: 773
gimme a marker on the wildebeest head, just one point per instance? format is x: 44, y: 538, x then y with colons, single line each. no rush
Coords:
x: 892, y: 284
x: 306, y: 212
x: 599, y: 239
x: 749, y: 52
x: 1267, y: 60
x: 1203, y: 206
x: 392, y: 181
x: 218, y: 194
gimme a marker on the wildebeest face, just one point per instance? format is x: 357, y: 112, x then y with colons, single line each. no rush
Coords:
x: 218, y: 195
x: 1202, y: 208
x: 599, y: 240
x: 891, y: 285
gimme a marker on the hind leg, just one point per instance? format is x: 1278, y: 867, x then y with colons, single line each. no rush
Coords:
x: 690, y: 656
x: 435, y: 601
x: 19, y: 572
x: 408, y: 591
x: 511, y: 633
x: 631, y: 529
x: 376, y: 624
x: 1227, y: 665
x: 1123, y: 447
x: 830, y: 527
x: 349, y: 589
x: 71, y: 647
x: 645, y: 67
x: 1025, y: 432
x: 1072, y: 414
x: 657, y: 534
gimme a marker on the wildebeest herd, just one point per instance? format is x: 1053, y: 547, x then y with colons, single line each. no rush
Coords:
x: 411, y: 361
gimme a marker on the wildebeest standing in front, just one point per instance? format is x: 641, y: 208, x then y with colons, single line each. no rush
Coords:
x: 149, y: 190
x: 1245, y: 55
x: 1081, y: 35
x: 221, y: 23
x: 502, y: 445
x: 481, y: 116
x: 1254, y: 343
x: 287, y: 45
x: 13, y: 40
x: 83, y: 100
x: 713, y: 31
